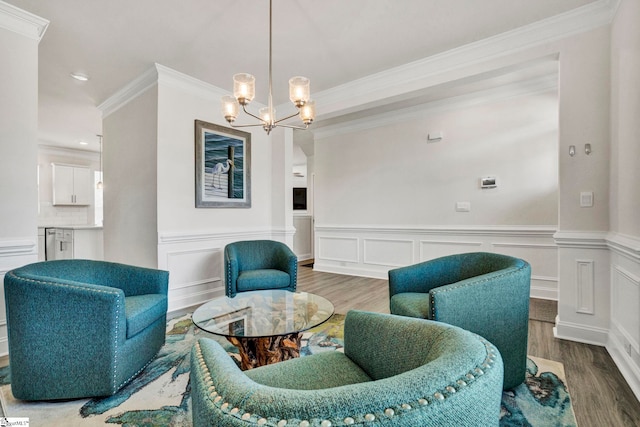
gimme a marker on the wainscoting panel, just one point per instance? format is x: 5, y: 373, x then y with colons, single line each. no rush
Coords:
x: 338, y: 249
x: 13, y: 254
x: 303, y: 239
x: 196, y: 265
x: 373, y: 251
x: 624, y: 335
x: 388, y: 252
x: 625, y: 299
x: 586, y: 287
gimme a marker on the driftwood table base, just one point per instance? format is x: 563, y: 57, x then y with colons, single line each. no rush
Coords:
x: 256, y: 352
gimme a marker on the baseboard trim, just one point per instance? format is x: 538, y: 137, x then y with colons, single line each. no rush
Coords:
x: 581, y: 333
x: 625, y: 365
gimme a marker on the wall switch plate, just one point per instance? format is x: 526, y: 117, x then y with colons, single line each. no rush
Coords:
x: 586, y: 199
x: 463, y: 206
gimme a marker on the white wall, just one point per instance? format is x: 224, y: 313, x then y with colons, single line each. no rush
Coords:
x: 386, y: 197
x: 392, y: 176
x: 624, y: 239
x: 18, y: 144
x: 130, y: 181
x: 177, y: 111
x: 583, y: 258
x: 149, y: 178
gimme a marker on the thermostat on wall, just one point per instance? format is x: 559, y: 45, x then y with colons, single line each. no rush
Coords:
x: 488, y: 182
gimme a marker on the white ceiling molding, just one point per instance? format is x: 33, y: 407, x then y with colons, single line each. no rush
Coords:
x: 402, y: 81
x: 189, y: 84
x: 160, y: 74
x: 22, y: 22
x: 129, y: 92
x: 512, y: 90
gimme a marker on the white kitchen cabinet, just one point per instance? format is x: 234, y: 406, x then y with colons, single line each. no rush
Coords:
x: 71, y: 185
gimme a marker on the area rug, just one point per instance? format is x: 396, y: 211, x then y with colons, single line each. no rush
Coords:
x: 160, y: 396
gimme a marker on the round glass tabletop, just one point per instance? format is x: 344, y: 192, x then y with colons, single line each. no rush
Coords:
x: 264, y: 313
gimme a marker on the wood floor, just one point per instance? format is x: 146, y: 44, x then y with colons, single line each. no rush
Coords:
x: 600, y: 395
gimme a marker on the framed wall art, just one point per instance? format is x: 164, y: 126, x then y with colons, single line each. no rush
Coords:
x: 223, y: 166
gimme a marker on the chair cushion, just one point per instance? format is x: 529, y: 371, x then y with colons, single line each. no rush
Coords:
x: 315, y: 372
x: 411, y: 304
x: 254, y: 280
x: 142, y: 310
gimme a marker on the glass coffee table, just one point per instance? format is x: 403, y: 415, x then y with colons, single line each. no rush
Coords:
x: 266, y: 326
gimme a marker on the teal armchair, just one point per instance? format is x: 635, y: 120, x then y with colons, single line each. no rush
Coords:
x: 252, y: 265
x: 485, y: 293
x: 80, y: 328
x: 395, y: 371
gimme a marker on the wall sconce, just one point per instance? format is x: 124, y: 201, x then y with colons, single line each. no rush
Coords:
x: 587, y: 149
x: 572, y: 150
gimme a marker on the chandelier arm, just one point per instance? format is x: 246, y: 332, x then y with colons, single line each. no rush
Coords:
x: 285, y: 118
x: 244, y: 108
x: 305, y: 127
x: 245, y: 126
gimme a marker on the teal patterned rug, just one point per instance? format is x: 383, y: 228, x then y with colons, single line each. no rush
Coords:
x: 160, y: 396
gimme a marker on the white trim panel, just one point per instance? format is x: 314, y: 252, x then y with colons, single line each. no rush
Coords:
x: 13, y: 254
x: 370, y: 251
x: 585, y: 303
x: 388, y: 252
x: 339, y: 249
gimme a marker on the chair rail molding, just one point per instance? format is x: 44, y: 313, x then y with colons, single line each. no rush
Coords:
x: 625, y: 245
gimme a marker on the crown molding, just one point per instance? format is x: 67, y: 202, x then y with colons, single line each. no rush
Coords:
x: 186, y: 83
x: 405, y: 79
x: 130, y: 91
x: 22, y: 22
x: 495, y: 94
x: 160, y: 75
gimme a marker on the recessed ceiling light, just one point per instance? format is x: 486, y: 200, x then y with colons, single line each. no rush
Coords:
x: 80, y: 76
x: 83, y: 143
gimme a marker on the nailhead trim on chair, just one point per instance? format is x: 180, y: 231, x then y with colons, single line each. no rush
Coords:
x: 440, y: 395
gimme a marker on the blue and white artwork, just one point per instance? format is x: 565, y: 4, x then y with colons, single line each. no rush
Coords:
x: 222, y: 166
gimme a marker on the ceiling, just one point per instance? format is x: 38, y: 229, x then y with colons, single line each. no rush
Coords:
x: 330, y: 41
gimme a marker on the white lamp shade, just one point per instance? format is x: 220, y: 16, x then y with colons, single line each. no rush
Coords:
x: 230, y: 108
x: 308, y: 112
x: 244, y: 88
x: 266, y: 115
x: 299, y: 90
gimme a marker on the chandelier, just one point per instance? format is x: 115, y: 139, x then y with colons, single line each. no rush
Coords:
x: 244, y: 91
